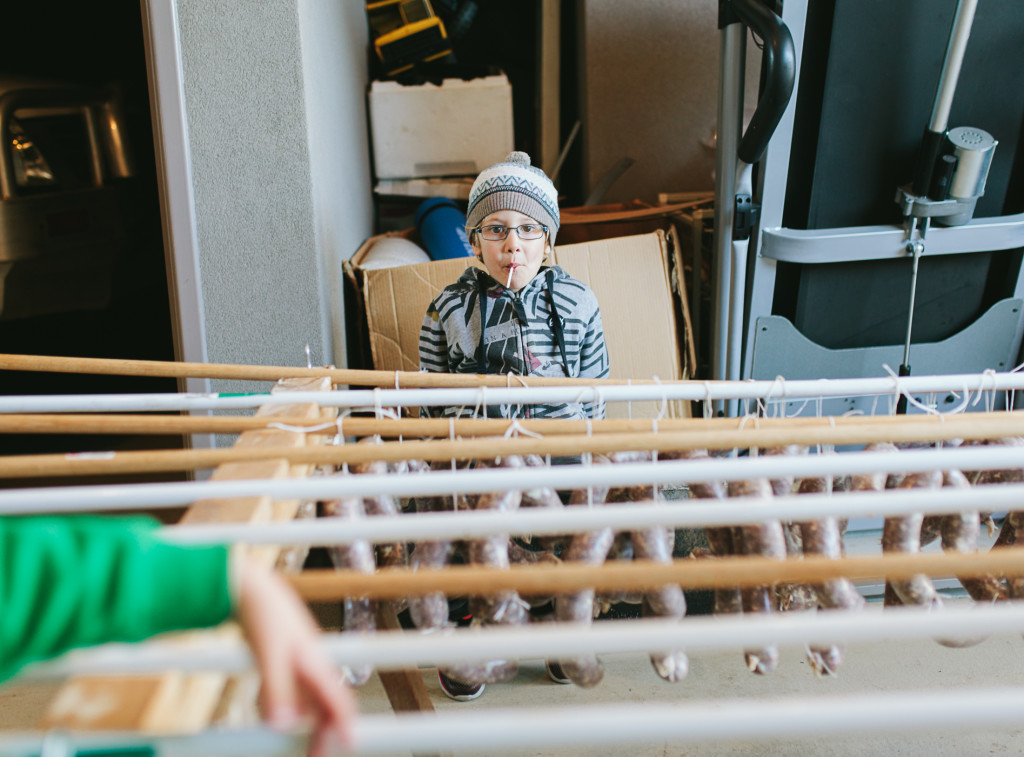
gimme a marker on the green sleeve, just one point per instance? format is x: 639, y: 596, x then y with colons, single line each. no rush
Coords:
x: 73, y: 581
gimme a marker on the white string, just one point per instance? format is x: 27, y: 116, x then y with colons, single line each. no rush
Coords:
x: 1013, y: 392
x: 664, y: 398
x: 302, y: 429
x: 780, y: 404
x: 599, y: 403
x: 746, y: 406
x: 588, y: 459
x: 377, y: 405
x: 990, y: 398
x: 515, y: 429
x: 911, y: 400
x: 398, y: 415
x: 707, y: 400
x: 735, y: 450
x: 800, y: 410
x: 819, y: 413
x: 894, y: 398
x: 451, y: 437
x: 629, y: 402
x: 963, y: 404
x: 832, y: 423
x: 508, y: 384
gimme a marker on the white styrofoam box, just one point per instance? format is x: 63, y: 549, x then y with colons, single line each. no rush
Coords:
x: 458, y: 128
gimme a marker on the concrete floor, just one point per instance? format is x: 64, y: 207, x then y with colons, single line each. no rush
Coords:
x: 875, y: 667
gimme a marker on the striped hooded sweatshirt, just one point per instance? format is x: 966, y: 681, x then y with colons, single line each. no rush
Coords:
x: 520, y: 336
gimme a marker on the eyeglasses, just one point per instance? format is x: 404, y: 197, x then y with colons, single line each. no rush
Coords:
x: 526, y: 232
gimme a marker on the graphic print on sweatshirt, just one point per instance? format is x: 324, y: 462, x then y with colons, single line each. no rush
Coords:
x: 501, y: 337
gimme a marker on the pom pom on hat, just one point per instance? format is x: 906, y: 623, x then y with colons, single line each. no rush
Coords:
x: 514, y: 184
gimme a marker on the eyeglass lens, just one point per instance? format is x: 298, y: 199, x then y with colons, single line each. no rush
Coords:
x: 527, y: 231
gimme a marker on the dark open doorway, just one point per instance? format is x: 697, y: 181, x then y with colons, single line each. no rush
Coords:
x: 101, y: 46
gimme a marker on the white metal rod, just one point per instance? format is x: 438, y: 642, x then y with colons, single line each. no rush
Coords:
x: 627, y: 723
x: 952, y: 62
x: 477, y: 731
x: 620, y: 517
x: 403, y: 649
x: 125, y: 496
x: 779, y: 389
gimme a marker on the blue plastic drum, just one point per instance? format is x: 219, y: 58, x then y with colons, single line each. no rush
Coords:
x: 442, y: 228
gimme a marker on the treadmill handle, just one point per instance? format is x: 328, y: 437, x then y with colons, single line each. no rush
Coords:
x: 779, y: 76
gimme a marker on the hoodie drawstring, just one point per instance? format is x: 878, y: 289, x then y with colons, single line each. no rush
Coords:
x: 554, y: 322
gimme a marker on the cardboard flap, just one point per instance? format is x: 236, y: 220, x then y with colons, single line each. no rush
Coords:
x: 396, y: 302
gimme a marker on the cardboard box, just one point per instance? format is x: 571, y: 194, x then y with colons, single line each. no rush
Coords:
x: 631, y: 276
x: 622, y: 219
x: 456, y: 128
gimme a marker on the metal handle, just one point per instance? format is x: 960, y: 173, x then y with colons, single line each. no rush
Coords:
x: 779, y: 62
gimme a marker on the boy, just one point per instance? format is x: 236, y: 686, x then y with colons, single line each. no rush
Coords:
x: 518, y: 315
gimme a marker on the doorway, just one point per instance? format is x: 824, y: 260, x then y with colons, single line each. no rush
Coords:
x: 99, y: 46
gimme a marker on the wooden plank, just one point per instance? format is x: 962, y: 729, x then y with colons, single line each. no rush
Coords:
x: 404, y: 688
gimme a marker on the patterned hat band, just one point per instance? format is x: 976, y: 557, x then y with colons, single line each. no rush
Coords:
x: 511, y: 198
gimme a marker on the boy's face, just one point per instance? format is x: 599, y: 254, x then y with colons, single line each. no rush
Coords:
x: 520, y: 257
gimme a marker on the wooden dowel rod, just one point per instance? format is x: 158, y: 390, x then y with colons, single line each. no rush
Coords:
x: 112, y: 423
x: 116, y: 423
x: 162, y: 461
x: 346, y: 376
x: 471, y: 580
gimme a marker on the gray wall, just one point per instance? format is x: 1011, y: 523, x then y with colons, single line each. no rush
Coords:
x: 649, y: 92
x: 277, y: 140
x: 334, y: 45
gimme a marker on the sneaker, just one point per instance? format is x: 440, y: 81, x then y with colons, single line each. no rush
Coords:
x: 461, y: 692
x: 555, y: 672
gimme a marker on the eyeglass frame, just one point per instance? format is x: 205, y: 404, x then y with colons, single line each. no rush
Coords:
x: 509, y: 229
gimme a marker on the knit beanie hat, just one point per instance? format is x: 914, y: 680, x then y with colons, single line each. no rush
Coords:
x: 514, y: 184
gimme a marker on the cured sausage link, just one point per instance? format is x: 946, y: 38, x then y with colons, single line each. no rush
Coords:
x: 590, y: 548
x: 430, y: 612
x: 390, y: 554
x: 902, y: 534
x: 666, y: 601
x: 357, y: 611
x: 960, y: 533
x: 767, y: 540
x: 504, y: 608
x: 720, y: 539
x: 1015, y: 584
x: 822, y: 538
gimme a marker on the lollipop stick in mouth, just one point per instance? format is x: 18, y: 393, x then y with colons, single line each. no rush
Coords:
x: 511, y: 269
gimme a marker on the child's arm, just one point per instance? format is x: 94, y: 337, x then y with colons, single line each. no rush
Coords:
x: 433, y: 344
x: 594, y: 360
x: 68, y: 582
x: 434, y: 353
